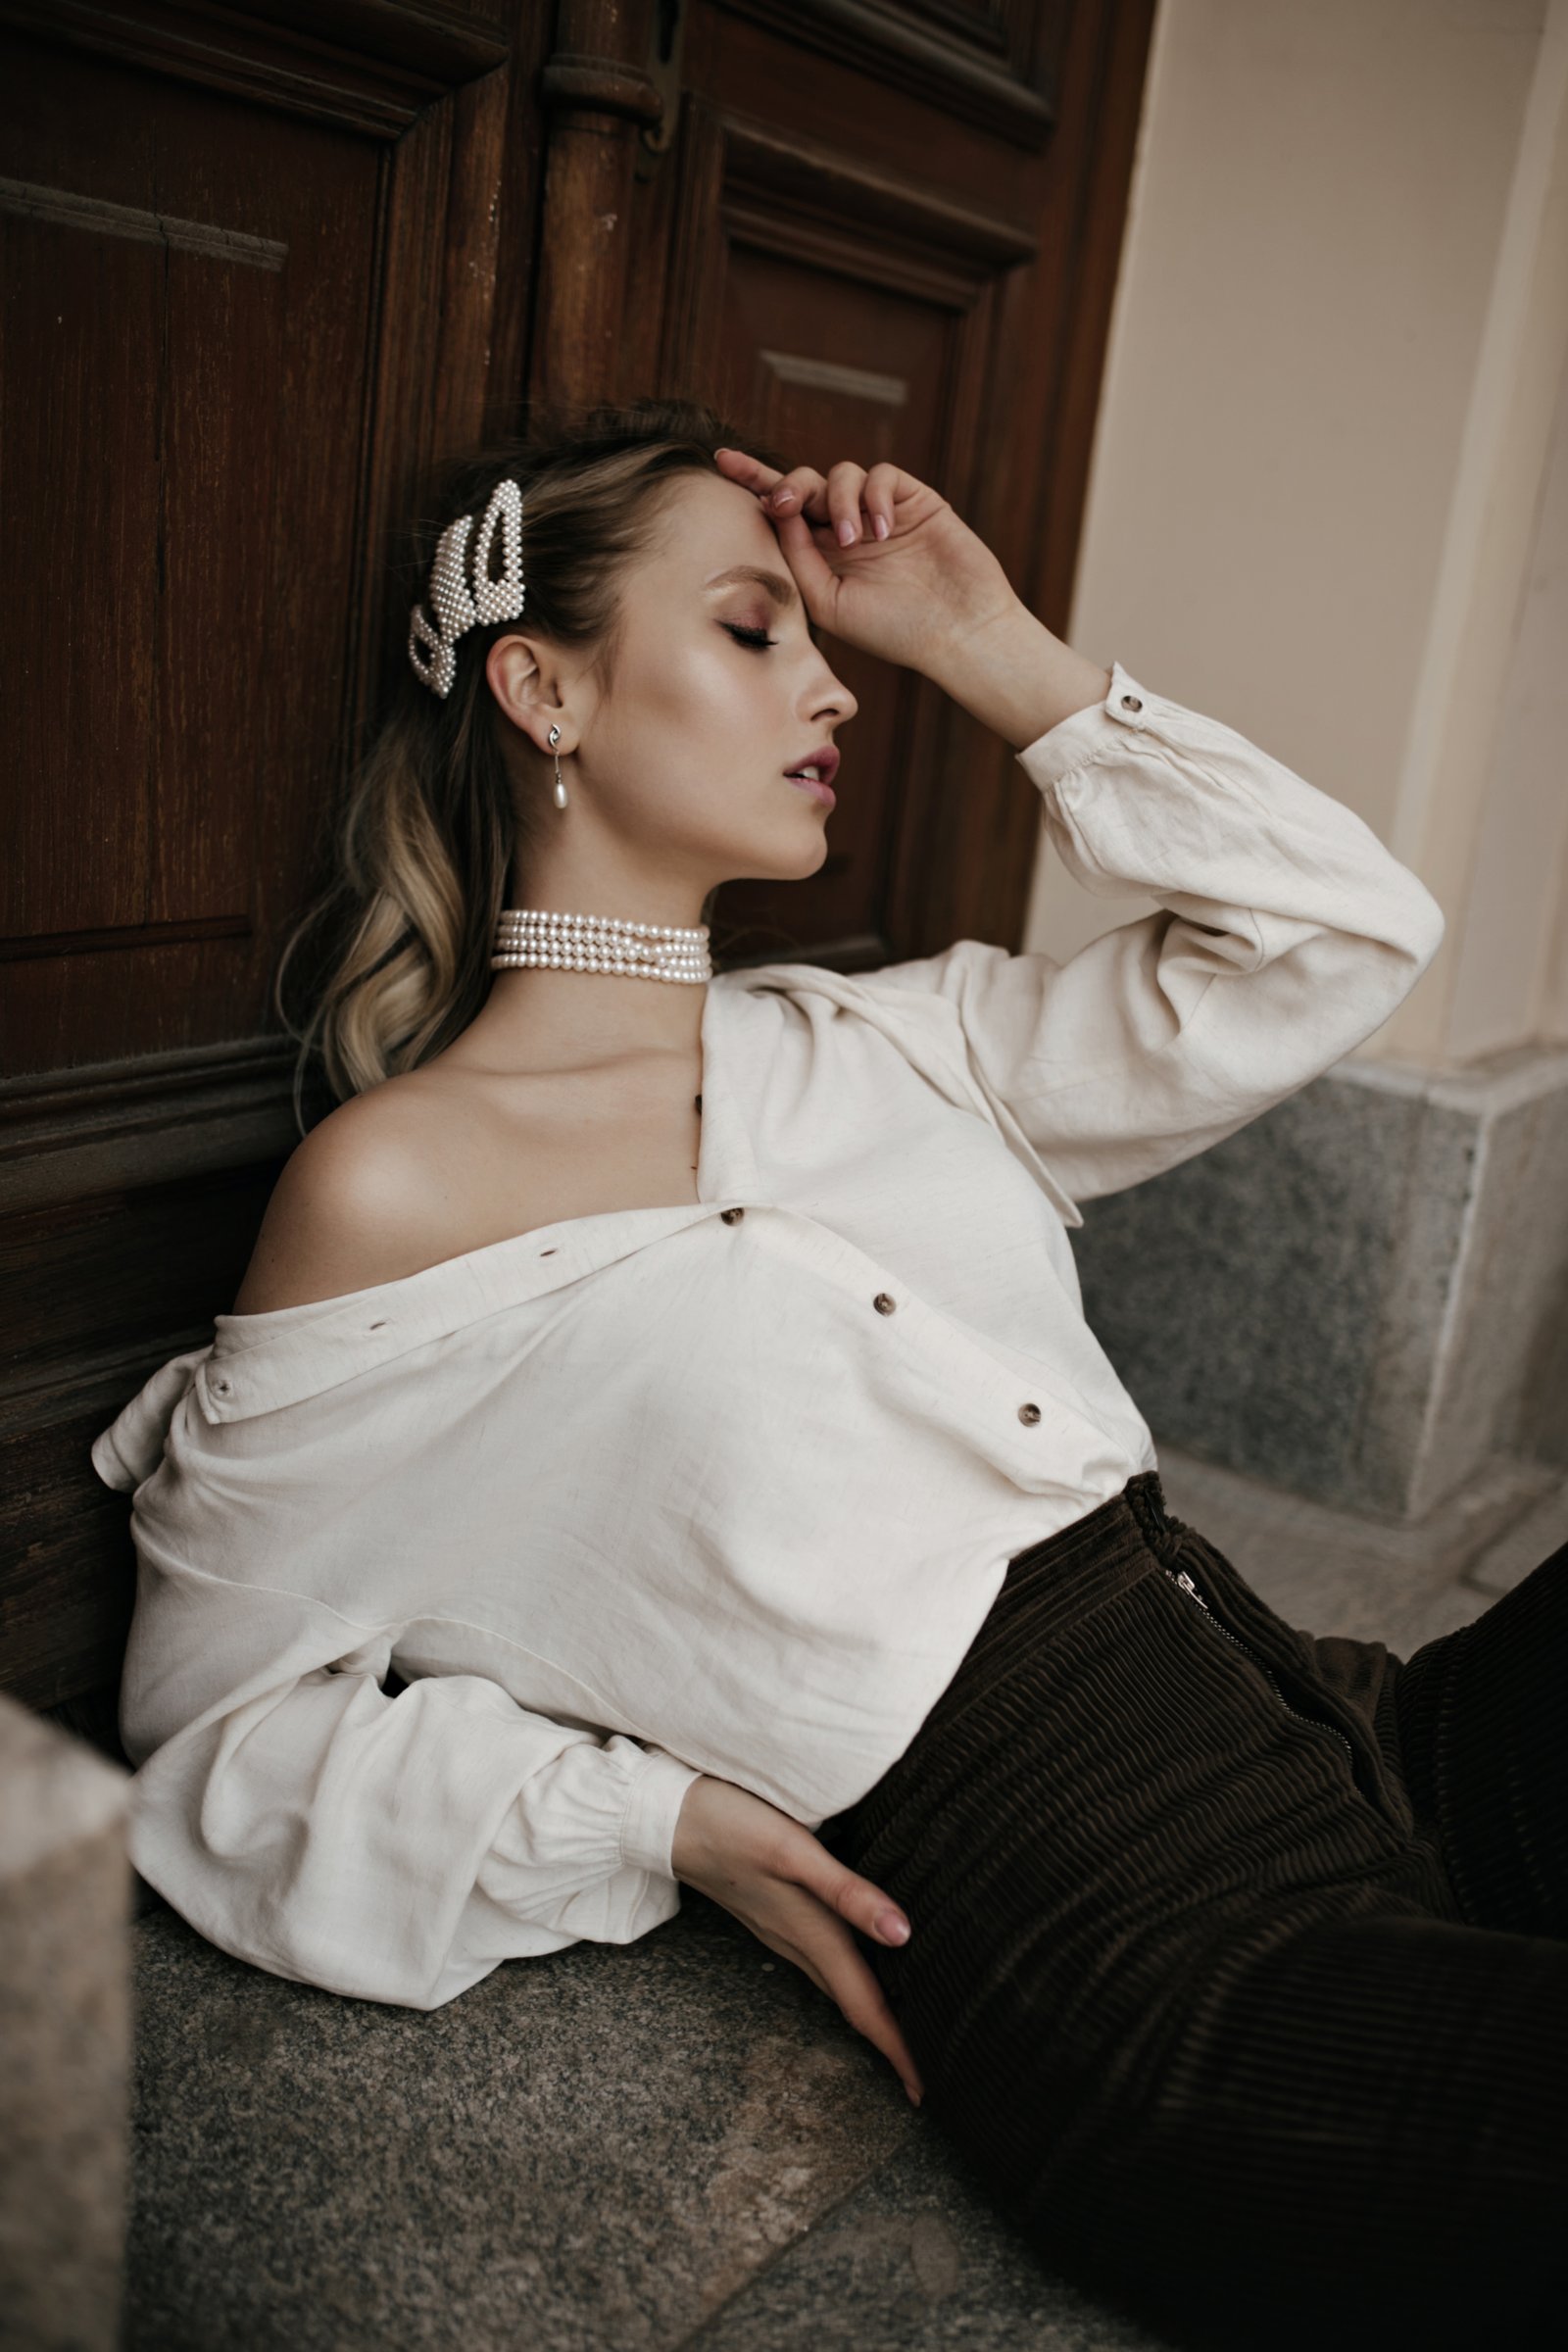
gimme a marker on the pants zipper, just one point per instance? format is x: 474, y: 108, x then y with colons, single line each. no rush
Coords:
x: 1181, y: 1577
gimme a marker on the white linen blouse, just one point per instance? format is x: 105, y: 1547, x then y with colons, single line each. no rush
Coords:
x: 724, y: 1487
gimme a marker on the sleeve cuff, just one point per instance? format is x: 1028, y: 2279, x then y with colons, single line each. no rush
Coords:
x: 1084, y: 735
x: 652, y: 1807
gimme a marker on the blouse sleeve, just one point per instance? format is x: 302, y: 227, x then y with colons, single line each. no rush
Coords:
x: 1285, y: 935
x: 396, y: 1848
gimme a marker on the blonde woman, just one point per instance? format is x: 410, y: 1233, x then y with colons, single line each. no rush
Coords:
x: 658, y: 1439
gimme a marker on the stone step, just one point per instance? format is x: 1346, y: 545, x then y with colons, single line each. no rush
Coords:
x: 677, y: 2143
x: 605, y: 2150
x: 64, y: 2036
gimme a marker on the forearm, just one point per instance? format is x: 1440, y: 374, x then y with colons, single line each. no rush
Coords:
x: 1015, y: 677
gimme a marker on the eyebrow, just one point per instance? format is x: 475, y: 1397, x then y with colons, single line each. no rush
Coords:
x: 782, y: 591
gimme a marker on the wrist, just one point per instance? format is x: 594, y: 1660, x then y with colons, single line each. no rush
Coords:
x: 654, y: 1800
x: 1016, y: 678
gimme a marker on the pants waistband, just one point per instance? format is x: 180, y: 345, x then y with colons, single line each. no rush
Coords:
x: 1140, y: 1502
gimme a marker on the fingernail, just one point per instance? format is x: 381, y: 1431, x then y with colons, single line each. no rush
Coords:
x: 783, y: 498
x: 846, y: 532
x: 914, y: 2096
x: 881, y: 526
x: 894, y: 1925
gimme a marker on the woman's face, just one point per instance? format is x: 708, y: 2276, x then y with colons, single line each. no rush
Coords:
x: 718, y: 691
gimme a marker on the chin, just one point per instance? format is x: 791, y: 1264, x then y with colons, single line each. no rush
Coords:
x: 814, y: 854
x: 794, y: 861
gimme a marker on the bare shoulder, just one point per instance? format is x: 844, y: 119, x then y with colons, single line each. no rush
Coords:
x: 363, y: 1200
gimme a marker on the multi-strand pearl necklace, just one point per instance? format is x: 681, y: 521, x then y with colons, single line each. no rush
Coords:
x: 600, y: 943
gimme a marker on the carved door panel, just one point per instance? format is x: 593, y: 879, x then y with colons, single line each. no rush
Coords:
x: 249, y: 274
x: 888, y: 229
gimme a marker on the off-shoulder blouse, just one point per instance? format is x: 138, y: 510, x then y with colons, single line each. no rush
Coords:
x: 725, y: 1486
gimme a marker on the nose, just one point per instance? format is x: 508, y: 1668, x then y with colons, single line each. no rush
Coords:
x: 835, y: 700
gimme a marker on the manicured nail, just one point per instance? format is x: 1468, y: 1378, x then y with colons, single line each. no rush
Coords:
x: 881, y: 526
x: 783, y: 498
x: 846, y: 532
x: 894, y: 1926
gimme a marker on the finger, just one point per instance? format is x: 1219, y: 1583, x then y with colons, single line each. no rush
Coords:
x: 814, y: 575
x: 858, y: 1901
x: 865, y: 2005
x: 801, y: 491
x: 818, y: 1943
x: 880, y: 497
x: 845, y: 484
x: 798, y: 492
x: 874, y: 2019
x: 741, y: 466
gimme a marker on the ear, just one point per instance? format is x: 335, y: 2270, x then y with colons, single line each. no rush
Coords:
x: 528, y: 696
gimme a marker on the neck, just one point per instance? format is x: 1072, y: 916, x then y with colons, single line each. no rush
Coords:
x: 594, y: 873
x: 538, y: 1018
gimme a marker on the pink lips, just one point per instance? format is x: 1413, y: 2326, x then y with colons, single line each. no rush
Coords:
x: 827, y: 757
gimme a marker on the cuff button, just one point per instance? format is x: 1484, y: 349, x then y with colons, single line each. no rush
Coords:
x: 1029, y: 1414
x: 1132, y: 702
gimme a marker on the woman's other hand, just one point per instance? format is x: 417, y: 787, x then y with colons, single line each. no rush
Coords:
x: 881, y: 560
x: 782, y: 1883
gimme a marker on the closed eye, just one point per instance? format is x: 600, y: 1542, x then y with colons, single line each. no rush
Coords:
x: 758, y: 638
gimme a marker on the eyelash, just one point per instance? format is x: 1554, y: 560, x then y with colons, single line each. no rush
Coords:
x: 758, y: 639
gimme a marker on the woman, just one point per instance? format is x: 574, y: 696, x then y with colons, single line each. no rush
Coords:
x: 658, y: 1439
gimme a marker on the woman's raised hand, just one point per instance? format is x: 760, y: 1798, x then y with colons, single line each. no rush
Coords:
x: 880, y: 559
x: 784, y: 1885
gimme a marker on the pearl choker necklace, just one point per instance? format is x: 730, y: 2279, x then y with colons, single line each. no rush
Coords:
x: 600, y: 943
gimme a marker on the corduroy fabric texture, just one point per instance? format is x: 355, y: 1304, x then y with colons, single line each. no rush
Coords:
x: 1255, y: 2026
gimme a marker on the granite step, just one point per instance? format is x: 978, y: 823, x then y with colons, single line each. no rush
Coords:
x: 677, y: 2143
x: 615, y: 2149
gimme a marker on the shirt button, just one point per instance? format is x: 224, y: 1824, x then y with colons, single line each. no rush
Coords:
x: 1029, y: 1414
x: 883, y: 1303
x: 731, y: 1216
x: 1131, y: 702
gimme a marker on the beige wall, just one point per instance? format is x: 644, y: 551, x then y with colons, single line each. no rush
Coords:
x: 1329, y: 500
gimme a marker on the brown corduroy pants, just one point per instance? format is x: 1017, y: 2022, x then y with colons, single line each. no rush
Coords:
x: 1238, y: 1964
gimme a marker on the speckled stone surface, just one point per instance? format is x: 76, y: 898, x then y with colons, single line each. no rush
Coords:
x: 674, y: 2142
x: 1250, y: 1297
x: 64, y: 2035
x: 1523, y: 1544
x: 1330, y: 1571
x: 1362, y: 1294
x: 1504, y: 1365
x: 587, y: 2150
x: 916, y: 2260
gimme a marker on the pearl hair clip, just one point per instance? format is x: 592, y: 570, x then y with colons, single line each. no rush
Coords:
x: 458, y: 607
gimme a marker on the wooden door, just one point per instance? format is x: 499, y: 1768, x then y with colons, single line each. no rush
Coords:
x: 259, y: 271
x: 889, y: 231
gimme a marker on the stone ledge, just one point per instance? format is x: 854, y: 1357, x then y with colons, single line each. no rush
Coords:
x: 64, y: 2031
x: 1362, y: 1294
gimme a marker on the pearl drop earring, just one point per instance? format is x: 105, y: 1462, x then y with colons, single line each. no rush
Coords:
x: 560, y: 789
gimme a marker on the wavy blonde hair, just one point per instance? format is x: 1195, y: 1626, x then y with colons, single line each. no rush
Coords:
x: 424, y: 842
